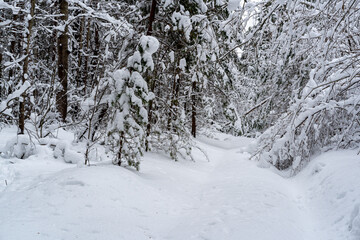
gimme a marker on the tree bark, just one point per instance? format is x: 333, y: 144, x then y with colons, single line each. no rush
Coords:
x: 121, y: 144
x: 12, y: 47
x: 1, y: 56
x: 95, y: 74
x: 148, y: 127
x: 25, y: 68
x: 193, y: 110
x: 86, y: 63
x: 150, y: 81
x: 1, y: 67
x: 174, y: 103
x: 151, y: 17
x: 63, y: 54
x: 81, y: 32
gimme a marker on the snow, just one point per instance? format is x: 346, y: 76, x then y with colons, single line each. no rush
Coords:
x: 4, y: 23
x: 147, y: 58
x: 172, y: 56
x: 331, y: 184
x: 19, y: 146
x: 135, y: 61
x: 119, y: 77
x: 202, y: 5
x: 227, y: 197
x: 168, y: 3
x: 182, y: 64
x: 15, y: 94
x: 138, y: 80
x: 149, y: 44
x: 68, y: 153
x: 233, y: 5
x: 4, y: 5
x: 182, y: 22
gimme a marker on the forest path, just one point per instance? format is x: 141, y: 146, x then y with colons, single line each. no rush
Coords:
x: 226, y: 198
x: 239, y: 200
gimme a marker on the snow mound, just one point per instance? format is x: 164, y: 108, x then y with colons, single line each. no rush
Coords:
x: 19, y: 147
x: 7, y: 175
x: 333, y: 189
x: 67, y: 152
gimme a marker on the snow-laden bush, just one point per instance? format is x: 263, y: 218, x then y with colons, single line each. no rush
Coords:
x: 20, y: 147
x: 173, y: 144
x: 67, y: 153
x: 327, y: 116
x: 323, y: 110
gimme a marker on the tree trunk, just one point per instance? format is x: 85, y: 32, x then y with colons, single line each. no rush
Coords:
x: 25, y: 68
x: 1, y: 56
x: 174, y: 103
x: 86, y: 63
x: 148, y: 127
x: 121, y: 143
x: 193, y: 110
x: 150, y: 81
x: 12, y: 47
x: 151, y: 17
x: 80, y: 70
x: 95, y: 73
x: 1, y: 67
x: 63, y: 53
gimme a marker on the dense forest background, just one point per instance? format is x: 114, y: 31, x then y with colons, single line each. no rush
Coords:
x: 136, y: 76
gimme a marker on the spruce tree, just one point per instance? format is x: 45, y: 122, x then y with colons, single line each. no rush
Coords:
x: 130, y: 94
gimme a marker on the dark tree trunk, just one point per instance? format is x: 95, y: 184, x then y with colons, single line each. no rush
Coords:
x: 95, y: 59
x: 87, y: 49
x: 12, y: 47
x: 1, y: 56
x: 121, y: 143
x: 80, y: 39
x: 151, y: 17
x: 1, y: 67
x: 25, y: 68
x: 150, y: 81
x: 193, y: 110
x: 63, y: 53
x: 174, y: 104
x: 148, y: 127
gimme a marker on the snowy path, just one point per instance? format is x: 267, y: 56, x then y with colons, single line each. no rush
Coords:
x: 241, y: 201
x: 228, y: 198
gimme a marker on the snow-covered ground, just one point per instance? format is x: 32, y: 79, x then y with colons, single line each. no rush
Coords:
x: 228, y: 197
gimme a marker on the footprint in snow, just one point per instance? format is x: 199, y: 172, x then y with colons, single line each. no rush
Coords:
x: 341, y: 195
x: 73, y: 183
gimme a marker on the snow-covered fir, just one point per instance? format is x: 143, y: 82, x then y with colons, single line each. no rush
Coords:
x: 180, y: 119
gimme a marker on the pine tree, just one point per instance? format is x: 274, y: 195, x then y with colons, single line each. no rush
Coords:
x: 126, y: 131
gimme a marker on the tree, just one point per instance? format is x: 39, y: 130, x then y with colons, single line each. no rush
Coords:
x: 323, y: 102
x: 63, y: 65
x: 126, y: 130
x: 25, y: 74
